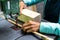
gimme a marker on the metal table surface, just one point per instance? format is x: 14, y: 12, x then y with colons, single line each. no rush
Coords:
x: 7, y: 33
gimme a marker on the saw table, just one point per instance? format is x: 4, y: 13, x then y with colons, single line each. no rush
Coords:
x: 8, y: 33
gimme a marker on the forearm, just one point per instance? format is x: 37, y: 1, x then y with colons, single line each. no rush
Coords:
x: 50, y: 28
x: 31, y: 2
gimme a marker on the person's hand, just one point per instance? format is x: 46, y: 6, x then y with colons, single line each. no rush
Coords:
x: 31, y: 26
x: 22, y: 6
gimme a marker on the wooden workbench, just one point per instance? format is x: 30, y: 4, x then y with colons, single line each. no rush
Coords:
x: 7, y: 33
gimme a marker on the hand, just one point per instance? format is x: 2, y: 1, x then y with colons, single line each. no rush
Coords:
x: 22, y: 6
x: 31, y: 26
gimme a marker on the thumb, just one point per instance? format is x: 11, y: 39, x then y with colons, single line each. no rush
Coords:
x: 32, y: 22
x: 24, y: 6
x: 21, y: 8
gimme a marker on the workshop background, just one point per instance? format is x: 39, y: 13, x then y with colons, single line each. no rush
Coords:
x: 7, y: 31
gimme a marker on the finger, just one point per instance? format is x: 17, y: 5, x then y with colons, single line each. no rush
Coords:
x: 26, y: 24
x: 21, y: 8
x: 34, y: 29
x: 29, y: 31
x: 25, y: 6
x: 26, y: 28
x: 32, y: 22
x: 33, y: 26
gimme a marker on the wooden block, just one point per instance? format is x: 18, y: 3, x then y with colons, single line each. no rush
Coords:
x: 29, y: 15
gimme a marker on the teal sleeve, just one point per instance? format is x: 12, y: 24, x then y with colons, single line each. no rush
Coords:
x: 31, y: 2
x: 50, y: 28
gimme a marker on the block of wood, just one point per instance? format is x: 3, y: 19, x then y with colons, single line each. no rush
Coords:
x: 29, y: 15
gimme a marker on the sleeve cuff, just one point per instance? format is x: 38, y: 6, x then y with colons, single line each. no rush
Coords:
x: 42, y: 27
x: 27, y: 2
x: 31, y: 2
x: 50, y: 28
x: 46, y: 28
